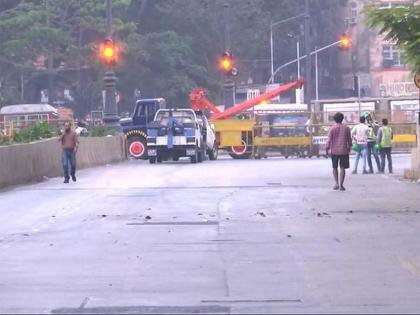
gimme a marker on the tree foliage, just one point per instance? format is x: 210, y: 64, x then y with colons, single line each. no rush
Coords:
x: 401, y: 25
x: 168, y: 46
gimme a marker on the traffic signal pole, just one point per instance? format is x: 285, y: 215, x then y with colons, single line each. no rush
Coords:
x: 308, y: 61
x: 111, y: 118
x: 228, y: 82
x: 316, y: 51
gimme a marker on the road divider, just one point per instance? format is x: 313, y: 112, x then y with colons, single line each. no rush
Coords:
x: 24, y: 163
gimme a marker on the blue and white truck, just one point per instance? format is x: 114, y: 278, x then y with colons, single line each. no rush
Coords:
x: 177, y: 133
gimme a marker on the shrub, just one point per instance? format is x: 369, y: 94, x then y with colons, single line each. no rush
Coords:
x: 41, y: 130
x: 101, y: 131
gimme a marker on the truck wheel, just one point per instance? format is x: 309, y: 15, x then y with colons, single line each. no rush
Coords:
x: 137, y: 147
x: 240, y: 152
x: 152, y: 160
x: 214, y: 152
x: 194, y: 158
x: 201, y: 155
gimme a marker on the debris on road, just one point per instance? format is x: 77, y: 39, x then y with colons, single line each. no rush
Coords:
x: 261, y: 214
x: 148, y: 217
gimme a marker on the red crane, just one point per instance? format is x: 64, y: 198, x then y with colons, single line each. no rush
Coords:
x: 199, y: 100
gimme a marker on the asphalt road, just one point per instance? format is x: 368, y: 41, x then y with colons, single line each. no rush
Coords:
x: 225, y: 236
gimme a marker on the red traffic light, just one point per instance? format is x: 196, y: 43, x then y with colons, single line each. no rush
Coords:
x: 345, y: 42
x: 226, y: 62
x: 108, y: 51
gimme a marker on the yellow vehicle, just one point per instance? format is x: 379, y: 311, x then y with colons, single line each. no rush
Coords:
x: 239, y: 136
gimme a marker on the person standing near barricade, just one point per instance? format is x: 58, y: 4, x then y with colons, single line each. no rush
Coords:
x: 339, y: 143
x: 360, y: 134
x: 372, y: 137
x: 69, y: 143
x: 385, y: 136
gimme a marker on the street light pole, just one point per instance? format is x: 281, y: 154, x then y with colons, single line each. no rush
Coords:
x: 316, y: 75
x: 308, y: 65
x: 111, y: 118
x: 298, y: 58
x: 228, y: 82
x: 298, y: 91
x: 303, y: 57
x: 272, y: 41
x: 272, y: 52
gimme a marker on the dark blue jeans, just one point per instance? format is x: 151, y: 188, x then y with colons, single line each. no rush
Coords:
x: 371, y: 151
x: 68, y: 158
x: 386, y: 152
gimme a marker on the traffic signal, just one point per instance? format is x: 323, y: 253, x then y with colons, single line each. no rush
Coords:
x: 226, y: 62
x: 108, y: 51
x: 345, y: 42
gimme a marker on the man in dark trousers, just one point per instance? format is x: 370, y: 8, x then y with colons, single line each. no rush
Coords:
x: 385, y: 137
x: 69, y: 143
x: 339, y: 142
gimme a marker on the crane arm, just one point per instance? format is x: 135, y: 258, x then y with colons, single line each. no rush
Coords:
x: 232, y: 111
x: 199, y: 100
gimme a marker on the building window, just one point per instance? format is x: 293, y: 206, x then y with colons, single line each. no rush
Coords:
x: 391, y: 4
x: 392, y: 56
x: 353, y: 13
x: 386, y: 5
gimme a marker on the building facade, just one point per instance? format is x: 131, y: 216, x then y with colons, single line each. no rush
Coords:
x: 373, y: 66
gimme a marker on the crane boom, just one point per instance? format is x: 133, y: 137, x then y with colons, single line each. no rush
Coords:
x: 199, y: 101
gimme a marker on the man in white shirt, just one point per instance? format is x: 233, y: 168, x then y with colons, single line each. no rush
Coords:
x: 360, y: 135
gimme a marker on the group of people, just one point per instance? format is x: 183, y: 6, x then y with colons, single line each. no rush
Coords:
x: 367, y: 138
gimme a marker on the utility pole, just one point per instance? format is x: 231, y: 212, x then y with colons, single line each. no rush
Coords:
x: 111, y: 118
x: 308, y: 61
x: 228, y: 82
x: 49, y: 57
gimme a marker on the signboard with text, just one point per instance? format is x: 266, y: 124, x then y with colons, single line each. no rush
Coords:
x: 398, y: 89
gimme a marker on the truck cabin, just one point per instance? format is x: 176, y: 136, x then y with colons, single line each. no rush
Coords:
x: 145, y: 110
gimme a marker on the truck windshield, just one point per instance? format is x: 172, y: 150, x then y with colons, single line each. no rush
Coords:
x: 181, y: 117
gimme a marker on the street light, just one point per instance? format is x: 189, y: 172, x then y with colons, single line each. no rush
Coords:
x: 109, y: 51
x: 271, y: 40
x: 346, y: 44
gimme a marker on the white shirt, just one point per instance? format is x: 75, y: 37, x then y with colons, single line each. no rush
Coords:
x: 360, y: 133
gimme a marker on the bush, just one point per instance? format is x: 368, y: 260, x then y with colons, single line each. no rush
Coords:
x: 101, y: 131
x: 41, y: 130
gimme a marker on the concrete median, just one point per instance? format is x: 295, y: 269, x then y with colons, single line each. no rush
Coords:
x: 23, y: 163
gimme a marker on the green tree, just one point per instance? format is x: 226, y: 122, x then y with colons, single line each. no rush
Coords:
x: 55, y: 42
x: 402, y: 25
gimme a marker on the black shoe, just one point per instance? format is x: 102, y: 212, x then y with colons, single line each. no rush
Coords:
x: 73, y: 178
x: 66, y: 180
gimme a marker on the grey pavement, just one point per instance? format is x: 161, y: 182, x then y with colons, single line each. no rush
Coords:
x: 225, y: 236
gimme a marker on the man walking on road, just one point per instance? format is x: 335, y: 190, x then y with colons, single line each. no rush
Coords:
x: 360, y: 134
x: 69, y: 143
x: 385, y: 136
x: 339, y: 142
